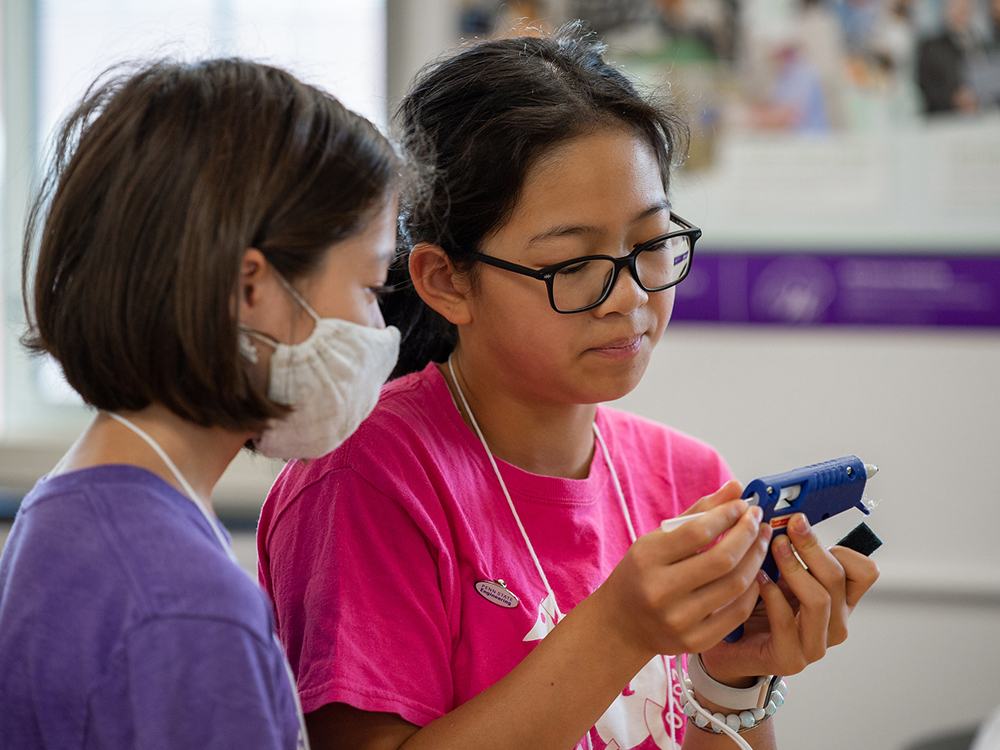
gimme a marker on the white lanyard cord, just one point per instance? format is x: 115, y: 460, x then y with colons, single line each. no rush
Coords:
x: 506, y: 494
x: 618, y: 486
x: 527, y: 540
x: 193, y: 496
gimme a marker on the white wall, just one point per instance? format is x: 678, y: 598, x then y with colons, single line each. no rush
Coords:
x: 924, y: 651
x: 418, y: 31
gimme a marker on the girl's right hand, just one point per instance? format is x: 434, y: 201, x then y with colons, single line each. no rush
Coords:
x: 677, y: 592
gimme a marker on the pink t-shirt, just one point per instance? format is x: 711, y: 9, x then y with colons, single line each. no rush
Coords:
x: 373, y: 552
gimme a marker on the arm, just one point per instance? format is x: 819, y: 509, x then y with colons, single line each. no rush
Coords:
x: 200, y: 683
x: 761, y: 737
x: 485, y: 721
x: 661, y: 598
x: 797, y: 619
x: 565, y: 684
x: 802, y: 616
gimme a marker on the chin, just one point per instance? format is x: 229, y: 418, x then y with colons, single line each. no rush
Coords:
x: 613, y: 394
x: 611, y: 386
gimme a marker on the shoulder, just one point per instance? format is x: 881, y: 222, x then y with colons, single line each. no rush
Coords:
x: 411, y: 427
x: 682, y: 458
x: 647, y: 434
x: 406, y: 414
x: 100, y: 555
x: 133, y: 544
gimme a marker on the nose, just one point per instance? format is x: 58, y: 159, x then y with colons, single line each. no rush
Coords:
x: 626, y: 295
x: 375, y: 319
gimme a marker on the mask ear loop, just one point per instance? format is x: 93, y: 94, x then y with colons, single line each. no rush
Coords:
x: 244, y: 341
x: 296, y: 296
x: 247, y: 347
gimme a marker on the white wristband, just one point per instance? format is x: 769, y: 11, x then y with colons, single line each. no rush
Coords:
x: 740, y: 699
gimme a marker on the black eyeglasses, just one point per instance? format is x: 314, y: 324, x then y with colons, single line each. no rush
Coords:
x: 584, y: 283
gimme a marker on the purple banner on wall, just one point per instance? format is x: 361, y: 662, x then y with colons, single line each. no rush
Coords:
x: 837, y: 289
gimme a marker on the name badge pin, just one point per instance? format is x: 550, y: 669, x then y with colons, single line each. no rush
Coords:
x: 497, y: 592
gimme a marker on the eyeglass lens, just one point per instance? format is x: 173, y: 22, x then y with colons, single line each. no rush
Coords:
x: 582, y: 284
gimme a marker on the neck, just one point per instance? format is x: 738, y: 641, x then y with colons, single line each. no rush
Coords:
x: 201, y: 454
x: 544, y: 438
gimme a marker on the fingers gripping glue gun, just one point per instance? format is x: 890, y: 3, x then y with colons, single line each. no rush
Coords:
x: 819, y: 491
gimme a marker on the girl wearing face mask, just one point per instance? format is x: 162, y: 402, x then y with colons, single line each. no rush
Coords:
x: 481, y: 565
x: 211, y: 241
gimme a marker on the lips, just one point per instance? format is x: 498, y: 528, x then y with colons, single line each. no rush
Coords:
x: 622, y: 346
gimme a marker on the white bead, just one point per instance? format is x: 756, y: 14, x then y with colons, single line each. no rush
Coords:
x: 770, y: 708
x: 777, y: 698
x: 733, y: 721
x: 690, y: 710
x: 747, y: 719
x: 720, y: 718
x: 700, y: 721
x: 782, y: 688
x: 683, y: 699
x: 758, y: 713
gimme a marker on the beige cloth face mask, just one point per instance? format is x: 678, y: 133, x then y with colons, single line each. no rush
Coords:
x: 332, y: 380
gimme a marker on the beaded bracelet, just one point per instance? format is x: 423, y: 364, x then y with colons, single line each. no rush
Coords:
x: 739, y: 723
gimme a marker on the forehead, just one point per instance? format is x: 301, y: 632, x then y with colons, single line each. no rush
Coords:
x: 603, y: 175
x: 374, y: 246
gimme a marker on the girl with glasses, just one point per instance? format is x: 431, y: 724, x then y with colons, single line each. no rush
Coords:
x: 482, y: 564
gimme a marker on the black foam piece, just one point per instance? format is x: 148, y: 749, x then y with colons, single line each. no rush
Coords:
x: 861, y: 539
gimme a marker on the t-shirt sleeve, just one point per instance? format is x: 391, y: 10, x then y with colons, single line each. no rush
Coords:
x: 695, y: 468
x: 360, y: 586
x: 669, y: 470
x: 698, y: 469
x: 189, y: 683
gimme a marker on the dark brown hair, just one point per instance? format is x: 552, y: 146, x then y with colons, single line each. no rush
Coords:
x: 475, y: 124
x: 160, y: 181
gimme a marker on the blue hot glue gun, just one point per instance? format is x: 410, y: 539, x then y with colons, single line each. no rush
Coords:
x: 819, y: 491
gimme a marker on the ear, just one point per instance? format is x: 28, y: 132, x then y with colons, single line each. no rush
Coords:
x: 253, y: 270
x: 444, y: 288
x: 261, y: 303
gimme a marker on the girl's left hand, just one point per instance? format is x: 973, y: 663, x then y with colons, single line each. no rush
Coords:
x: 802, y: 615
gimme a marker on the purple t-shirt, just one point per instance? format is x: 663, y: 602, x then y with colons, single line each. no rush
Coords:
x: 123, y: 624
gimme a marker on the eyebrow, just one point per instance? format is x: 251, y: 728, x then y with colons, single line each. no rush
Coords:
x: 572, y: 230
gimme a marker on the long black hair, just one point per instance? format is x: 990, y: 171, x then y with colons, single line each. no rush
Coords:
x: 474, y: 124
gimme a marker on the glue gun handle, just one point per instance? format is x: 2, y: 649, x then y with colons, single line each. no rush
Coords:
x: 771, y: 568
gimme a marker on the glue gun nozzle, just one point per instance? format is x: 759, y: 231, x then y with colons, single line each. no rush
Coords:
x: 871, y: 470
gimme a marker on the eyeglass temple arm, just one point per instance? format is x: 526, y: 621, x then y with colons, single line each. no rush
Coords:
x: 507, y: 265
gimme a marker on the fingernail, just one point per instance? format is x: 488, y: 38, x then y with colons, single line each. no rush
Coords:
x: 762, y: 578
x: 801, y: 523
x: 782, y: 546
x: 757, y: 513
